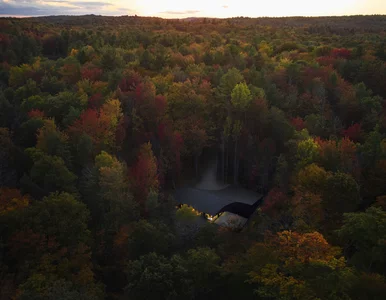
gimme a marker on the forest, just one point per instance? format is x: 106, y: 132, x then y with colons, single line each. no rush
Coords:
x: 102, y: 118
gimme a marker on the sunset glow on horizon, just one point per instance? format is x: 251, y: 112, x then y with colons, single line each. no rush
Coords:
x: 198, y: 8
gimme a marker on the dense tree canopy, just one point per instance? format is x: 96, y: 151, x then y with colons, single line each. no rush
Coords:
x: 101, y: 118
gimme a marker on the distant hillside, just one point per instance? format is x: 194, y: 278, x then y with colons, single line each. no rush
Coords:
x: 344, y: 24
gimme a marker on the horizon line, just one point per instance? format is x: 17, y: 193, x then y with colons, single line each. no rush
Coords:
x: 189, y: 17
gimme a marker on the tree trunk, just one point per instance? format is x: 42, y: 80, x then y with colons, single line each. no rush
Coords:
x: 226, y: 154
x: 223, y: 159
x: 235, y: 165
x: 196, y: 164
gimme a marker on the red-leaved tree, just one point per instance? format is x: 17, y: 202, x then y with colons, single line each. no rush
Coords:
x: 354, y: 132
x: 298, y: 123
x: 144, y: 175
x: 275, y: 202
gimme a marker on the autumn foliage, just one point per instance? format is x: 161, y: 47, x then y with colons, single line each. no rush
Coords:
x: 36, y: 114
x: 305, y: 248
x: 100, y: 125
x: 144, y: 174
x: 298, y: 123
x: 108, y: 124
x: 354, y: 132
x: 12, y: 199
x: 275, y: 202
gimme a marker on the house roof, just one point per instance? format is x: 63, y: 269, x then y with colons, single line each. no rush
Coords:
x: 213, y: 202
x: 228, y: 219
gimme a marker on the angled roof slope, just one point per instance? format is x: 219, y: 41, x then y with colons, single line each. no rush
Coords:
x: 231, y: 220
x: 213, y: 202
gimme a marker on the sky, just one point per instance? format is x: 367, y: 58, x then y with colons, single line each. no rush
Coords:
x: 193, y: 8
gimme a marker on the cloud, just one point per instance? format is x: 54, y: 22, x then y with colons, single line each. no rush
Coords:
x: 83, y: 4
x: 58, y: 7
x: 184, y: 12
x: 8, y: 8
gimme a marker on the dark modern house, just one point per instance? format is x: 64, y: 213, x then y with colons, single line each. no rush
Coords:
x: 212, y: 203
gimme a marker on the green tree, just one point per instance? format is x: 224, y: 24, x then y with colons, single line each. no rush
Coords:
x: 241, y: 97
x: 282, y: 172
x: 110, y: 58
x: 279, y: 127
x: 371, y: 150
x: 364, y: 236
x: 59, y: 216
x: 50, y: 173
x: 341, y: 194
x: 368, y: 286
x: 26, y: 135
x: 186, y: 213
x: 118, y: 204
x: 7, y: 158
x: 227, y: 83
x: 59, y: 106
x: 236, y: 132
x: 146, y: 238
x: 155, y: 277
x: 53, y: 142
x: 307, y: 152
x: 203, y: 266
